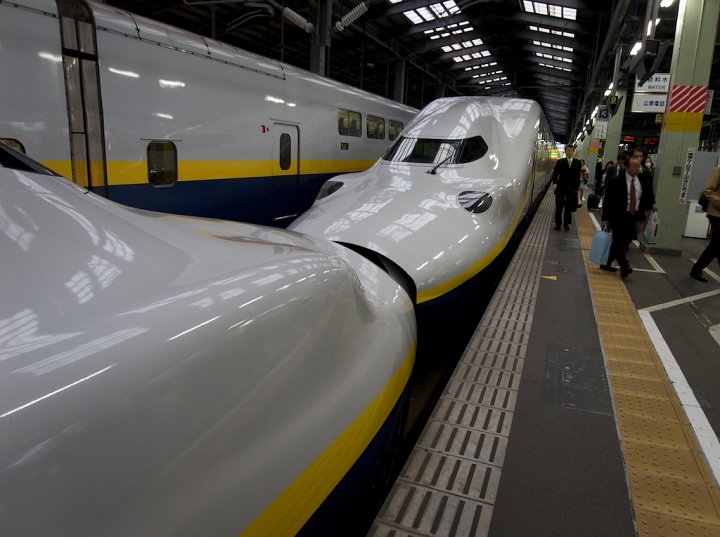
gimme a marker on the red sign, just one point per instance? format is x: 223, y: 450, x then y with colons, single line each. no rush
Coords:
x: 687, y: 98
x: 650, y: 141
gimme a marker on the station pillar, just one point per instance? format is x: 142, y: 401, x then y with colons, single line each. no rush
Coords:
x: 614, y: 131
x: 689, y: 75
x: 591, y: 153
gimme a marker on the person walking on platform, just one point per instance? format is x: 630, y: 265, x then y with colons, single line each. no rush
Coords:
x: 626, y: 200
x: 712, y: 193
x: 566, y: 183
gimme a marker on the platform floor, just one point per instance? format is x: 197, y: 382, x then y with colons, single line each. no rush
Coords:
x: 584, y: 404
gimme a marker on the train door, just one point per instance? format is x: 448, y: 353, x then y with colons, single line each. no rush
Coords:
x: 286, y: 169
x: 82, y: 89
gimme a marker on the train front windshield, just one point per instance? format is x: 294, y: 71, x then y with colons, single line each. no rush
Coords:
x: 435, y: 150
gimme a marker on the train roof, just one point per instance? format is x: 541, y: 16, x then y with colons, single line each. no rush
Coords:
x: 462, y: 117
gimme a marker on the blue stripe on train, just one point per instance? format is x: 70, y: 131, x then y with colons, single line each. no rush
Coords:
x: 258, y: 200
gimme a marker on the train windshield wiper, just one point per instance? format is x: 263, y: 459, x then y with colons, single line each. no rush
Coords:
x: 443, y: 161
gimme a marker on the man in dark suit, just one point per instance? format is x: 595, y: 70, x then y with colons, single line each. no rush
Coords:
x: 566, y: 183
x: 628, y: 196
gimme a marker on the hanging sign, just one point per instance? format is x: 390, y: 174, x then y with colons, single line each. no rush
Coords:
x: 687, y: 173
x: 649, y: 102
x: 657, y: 83
x: 601, y: 128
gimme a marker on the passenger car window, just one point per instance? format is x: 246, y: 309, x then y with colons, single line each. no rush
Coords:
x: 10, y: 158
x: 162, y: 163
x: 394, y: 129
x: 375, y: 127
x: 349, y: 123
x: 15, y: 144
x: 285, y: 151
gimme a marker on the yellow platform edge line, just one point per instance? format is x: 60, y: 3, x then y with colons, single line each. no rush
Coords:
x: 690, y: 496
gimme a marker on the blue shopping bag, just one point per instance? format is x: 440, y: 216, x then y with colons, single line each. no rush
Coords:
x: 600, y: 247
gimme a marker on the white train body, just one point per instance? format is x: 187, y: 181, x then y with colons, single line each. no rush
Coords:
x: 164, y: 375
x: 167, y: 120
x: 497, y: 152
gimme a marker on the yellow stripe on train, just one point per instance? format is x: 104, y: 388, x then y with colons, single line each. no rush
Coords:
x: 135, y: 172
x: 479, y: 266
x: 289, y: 512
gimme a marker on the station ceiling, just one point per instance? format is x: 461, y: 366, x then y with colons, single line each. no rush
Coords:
x: 561, y: 54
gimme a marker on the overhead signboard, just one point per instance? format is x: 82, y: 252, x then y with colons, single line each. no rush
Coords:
x: 649, y: 102
x: 657, y: 83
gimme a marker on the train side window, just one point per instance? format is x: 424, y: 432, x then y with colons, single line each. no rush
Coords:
x: 15, y: 144
x: 375, y: 127
x: 162, y: 163
x: 394, y: 129
x: 349, y: 123
x: 473, y: 149
x: 285, y: 151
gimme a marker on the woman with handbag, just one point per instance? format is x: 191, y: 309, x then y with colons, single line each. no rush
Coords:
x: 712, y: 193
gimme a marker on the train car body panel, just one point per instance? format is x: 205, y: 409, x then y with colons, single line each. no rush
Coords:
x: 402, y: 210
x: 165, y: 375
x: 212, y: 108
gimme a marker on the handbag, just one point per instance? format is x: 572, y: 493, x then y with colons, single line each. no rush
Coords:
x: 704, y: 202
x: 600, y: 247
x: 651, y: 229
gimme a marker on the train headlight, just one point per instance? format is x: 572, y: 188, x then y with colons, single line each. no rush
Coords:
x: 475, y: 202
x: 328, y: 188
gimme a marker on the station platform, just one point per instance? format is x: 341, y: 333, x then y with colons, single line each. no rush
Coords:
x: 583, y: 405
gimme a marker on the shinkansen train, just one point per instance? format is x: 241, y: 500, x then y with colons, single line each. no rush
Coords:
x: 444, y: 201
x: 166, y: 375
x: 158, y: 118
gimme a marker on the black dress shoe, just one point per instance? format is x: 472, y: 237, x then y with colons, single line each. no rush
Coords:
x: 608, y: 268
x: 698, y: 276
x: 625, y: 272
x: 557, y: 228
x: 567, y: 228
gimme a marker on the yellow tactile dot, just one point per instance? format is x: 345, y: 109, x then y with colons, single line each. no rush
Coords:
x: 647, y: 387
x: 651, y: 524
x: 626, y: 342
x: 668, y: 461
x: 677, y: 497
x: 659, y: 432
x: 623, y: 326
x: 639, y: 369
x: 611, y: 304
x: 647, y: 407
x: 617, y: 351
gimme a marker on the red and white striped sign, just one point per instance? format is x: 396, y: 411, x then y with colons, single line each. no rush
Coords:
x: 687, y: 98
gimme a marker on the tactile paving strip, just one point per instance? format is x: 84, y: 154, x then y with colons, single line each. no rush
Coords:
x: 448, y: 485
x: 671, y: 487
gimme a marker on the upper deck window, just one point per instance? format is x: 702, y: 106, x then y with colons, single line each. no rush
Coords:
x: 375, y: 127
x: 394, y: 129
x: 436, y: 150
x: 349, y: 123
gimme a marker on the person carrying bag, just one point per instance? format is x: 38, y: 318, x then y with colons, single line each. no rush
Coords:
x: 712, y: 194
x: 600, y: 247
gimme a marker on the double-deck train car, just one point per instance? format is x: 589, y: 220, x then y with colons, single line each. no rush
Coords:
x: 162, y: 119
x: 444, y: 201
x: 166, y: 375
